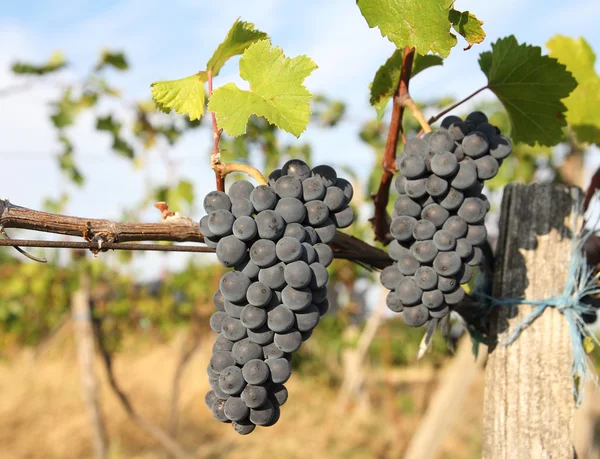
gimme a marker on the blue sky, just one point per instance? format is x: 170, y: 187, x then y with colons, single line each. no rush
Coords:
x: 165, y: 40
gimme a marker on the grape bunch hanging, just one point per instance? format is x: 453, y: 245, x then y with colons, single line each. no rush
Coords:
x: 276, y: 238
x: 438, y: 219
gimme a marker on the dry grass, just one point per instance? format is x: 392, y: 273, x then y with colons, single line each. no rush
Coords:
x: 42, y: 414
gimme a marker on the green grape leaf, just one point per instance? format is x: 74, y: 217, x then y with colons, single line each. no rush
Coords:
x: 67, y: 163
x: 185, y: 96
x: 468, y: 26
x: 112, y: 59
x: 421, y: 25
x: 583, y: 112
x: 122, y: 147
x: 276, y: 91
x: 530, y: 86
x: 240, y: 36
x: 107, y: 123
x: 56, y: 62
x: 386, y: 79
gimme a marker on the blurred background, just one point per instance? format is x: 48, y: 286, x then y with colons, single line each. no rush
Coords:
x: 80, y: 136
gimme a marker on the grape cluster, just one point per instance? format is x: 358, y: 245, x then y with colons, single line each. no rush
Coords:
x: 437, y: 223
x: 276, y: 238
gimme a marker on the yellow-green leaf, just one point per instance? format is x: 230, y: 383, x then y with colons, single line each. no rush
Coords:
x: 240, y: 36
x: 276, y: 91
x: 583, y: 104
x: 185, y: 96
x: 468, y: 26
x: 413, y: 23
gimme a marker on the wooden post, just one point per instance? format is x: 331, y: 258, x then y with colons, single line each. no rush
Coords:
x: 84, y: 337
x: 446, y: 403
x: 528, y: 400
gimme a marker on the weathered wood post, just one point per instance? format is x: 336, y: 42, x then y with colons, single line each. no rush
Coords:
x: 84, y: 337
x: 528, y: 402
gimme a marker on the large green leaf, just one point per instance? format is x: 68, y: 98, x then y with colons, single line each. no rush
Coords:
x: 583, y: 105
x: 468, y: 26
x: 423, y: 25
x: 530, y: 86
x: 185, y: 96
x: 387, y: 77
x: 276, y: 91
x: 240, y: 36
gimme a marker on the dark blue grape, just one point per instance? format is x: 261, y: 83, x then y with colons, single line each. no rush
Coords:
x: 231, y: 251
x: 446, y: 284
x: 296, y: 168
x: 452, y: 200
x: 401, y: 228
x: 444, y: 240
x: 454, y: 297
x: 334, y: 198
x: 432, y: 299
x: 216, y: 200
x: 424, y: 251
x: 291, y: 210
x: 309, y: 255
x: 233, y: 329
x: 415, y: 316
x: 236, y: 409
x: 280, y: 370
x: 426, y: 278
x: 274, y: 176
x: 476, y: 234
x: 436, y: 186
x: 404, y: 205
x: 319, y: 276
x: 475, y: 144
x: 307, y: 319
x: 477, y: 117
x: 263, y: 197
x: 245, y: 350
x: 423, y: 230
x: 393, y: 302
x: 436, y: 214
x: 289, y: 341
x: 221, y: 360
x: 295, y: 230
x: 411, y: 166
x: 326, y: 231
x: 216, y: 321
x: 416, y: 188
x: 270, y: 225
x: 343, y: 218
x: 456, y: 226
x: 219, y: 301
x: 464, y: 249
x: 288, y: 249
x: 408, y: 264
x: 254, y: 396
x: 240, y: 189
x: 408, y: 291
x: 346, y: 187
x: 314, y: 189
x: 242, y: 207
x: 280, y: 319
x: 444, y: 164
x: 500, y: 147
x: 231, y: 380
x: 288, y: 187
x: 233, y: 286
x: 448, y: 120
x: 296, y: 299
x: 324, y: 254
x: 262, y: 415
x: 218, y: 411
x: 466, y: 176
x: 316, y: 212
x: 253, y: 317
x: 476, y: 258
x: 234, y: 310
x: 263, y: 253
x: 262, y: 335
x: 220, y: 222
x: 472, y: 210
x: 326, y: 174
x: 297, y: 274
x: 273, y: 276
x: 440, y: 141
x: 390, y: 276
x: 447, y: 263
x: 255, y: 371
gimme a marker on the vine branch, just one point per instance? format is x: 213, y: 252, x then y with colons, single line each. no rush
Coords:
x: 215, y: 157
x: 380, y: 219
x: 101, y: 235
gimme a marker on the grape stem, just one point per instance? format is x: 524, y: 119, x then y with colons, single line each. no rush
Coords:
x: 433, y: 119
x: 215, y: 157
x: 410, y: 104
x: 222, y: 169
x: 380, y: 220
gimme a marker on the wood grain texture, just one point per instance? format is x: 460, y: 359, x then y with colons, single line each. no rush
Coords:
x: 528, y: 400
